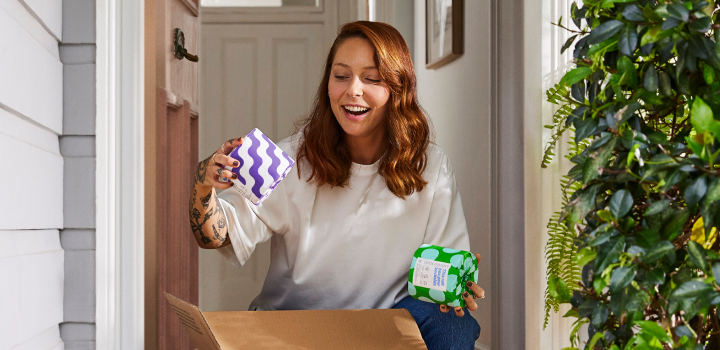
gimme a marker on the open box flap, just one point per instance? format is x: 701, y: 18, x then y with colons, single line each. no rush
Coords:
x: 315, y: 329
x: 194, y: 323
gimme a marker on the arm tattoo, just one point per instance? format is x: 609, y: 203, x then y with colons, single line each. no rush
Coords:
x: 220, y: 239
x: 206, y: 200
x: 217, y: 205
x: 197, y: 225
x: 201, y: 171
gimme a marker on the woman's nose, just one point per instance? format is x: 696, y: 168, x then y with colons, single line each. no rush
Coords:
x: 355, y: 88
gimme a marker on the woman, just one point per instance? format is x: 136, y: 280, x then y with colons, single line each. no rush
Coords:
x: 368, y: 189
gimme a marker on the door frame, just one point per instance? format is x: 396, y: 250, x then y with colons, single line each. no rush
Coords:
x: 119, y: 178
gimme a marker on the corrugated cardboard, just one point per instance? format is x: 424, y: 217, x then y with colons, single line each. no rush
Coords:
x: 299, y: 329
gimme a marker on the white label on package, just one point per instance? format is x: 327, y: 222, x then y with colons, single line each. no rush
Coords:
x: 431, y: 274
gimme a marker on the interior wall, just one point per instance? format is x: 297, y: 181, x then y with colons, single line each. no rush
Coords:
x: 457, y: 99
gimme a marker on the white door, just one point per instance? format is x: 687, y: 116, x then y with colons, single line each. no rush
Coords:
x: 252, y: 76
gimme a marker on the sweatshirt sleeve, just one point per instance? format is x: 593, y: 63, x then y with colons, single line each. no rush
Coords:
x: 250, y: 225
x: 446, y: 225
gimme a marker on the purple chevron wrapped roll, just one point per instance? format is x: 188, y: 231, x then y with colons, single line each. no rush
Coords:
x: 262, y: 166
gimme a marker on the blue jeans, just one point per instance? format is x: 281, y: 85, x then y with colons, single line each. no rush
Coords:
x: 442, y: 330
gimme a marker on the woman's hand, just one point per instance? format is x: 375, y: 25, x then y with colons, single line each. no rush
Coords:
x: 477, y: 293
x: 210, y: 171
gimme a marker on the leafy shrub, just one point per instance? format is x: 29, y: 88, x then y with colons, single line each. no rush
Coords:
x: 634, y: 249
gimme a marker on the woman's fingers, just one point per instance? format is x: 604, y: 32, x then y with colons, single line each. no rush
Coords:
x: 469, y: 301
x: 230, y: 145
x: 444, y: 308
x: 459, y: 311
x: 476, y: 290
x: 220, y: 159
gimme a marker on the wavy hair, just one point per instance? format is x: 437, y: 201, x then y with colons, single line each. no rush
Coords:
x: 408, y: 129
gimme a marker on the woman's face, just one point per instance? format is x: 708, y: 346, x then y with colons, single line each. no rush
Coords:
x: 358, y: 96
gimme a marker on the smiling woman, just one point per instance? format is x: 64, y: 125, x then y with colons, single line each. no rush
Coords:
x: 369, y: 66
x: 369, y: 188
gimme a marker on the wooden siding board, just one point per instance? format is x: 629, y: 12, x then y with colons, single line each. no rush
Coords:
x: 50, y: 13
x: 35, y: 28
x: 32, y: 302
x: 32, y: 201
x: 32, y: 76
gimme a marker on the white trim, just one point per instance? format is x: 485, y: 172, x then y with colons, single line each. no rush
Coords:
x: 119, y: 188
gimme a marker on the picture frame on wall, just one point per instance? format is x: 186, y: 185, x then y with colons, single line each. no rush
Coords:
x: 444, y: 39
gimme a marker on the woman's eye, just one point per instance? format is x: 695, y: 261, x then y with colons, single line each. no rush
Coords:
x: 375, y: 81
x: 340, y: 77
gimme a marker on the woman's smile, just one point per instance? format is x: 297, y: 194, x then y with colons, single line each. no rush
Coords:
x: 355, y: 112
x: 358, y: 95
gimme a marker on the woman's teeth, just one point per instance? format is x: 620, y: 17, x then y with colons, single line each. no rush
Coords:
x: 355, y: 110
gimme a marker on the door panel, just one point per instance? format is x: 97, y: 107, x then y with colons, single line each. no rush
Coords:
x: 252, y: 76
x: 171, y: 153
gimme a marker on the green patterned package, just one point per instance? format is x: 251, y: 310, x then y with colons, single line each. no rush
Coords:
x: 439, y: 275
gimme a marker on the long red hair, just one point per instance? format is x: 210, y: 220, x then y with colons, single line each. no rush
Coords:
x: 408, y: 130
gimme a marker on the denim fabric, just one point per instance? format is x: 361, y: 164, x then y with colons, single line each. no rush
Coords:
x: 442, y: 331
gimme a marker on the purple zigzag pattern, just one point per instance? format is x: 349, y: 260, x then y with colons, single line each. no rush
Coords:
x: 236, y: 154
x: 257, y: 160
x: 272, y: 170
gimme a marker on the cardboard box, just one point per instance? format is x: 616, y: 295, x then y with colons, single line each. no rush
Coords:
x: 299, y: 329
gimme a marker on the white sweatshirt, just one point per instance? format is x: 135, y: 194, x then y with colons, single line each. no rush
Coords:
x: 343, y: 248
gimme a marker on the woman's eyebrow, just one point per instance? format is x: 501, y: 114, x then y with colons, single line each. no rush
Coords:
x: 346, y: 66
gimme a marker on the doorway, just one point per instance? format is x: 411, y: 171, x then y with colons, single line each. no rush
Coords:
x: 260, y: 68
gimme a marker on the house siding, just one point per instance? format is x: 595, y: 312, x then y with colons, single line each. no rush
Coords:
x: 77, y: 146
x: 31, y: 183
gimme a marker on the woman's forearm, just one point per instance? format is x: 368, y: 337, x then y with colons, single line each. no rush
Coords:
x: 207, y: 219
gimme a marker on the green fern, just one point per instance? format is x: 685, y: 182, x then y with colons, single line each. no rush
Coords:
x: 559, y: 127
x: 560, y: 250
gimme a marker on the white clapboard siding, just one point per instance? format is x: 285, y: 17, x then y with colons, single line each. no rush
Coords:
x: 50, y: 13
x: 34, y: 27
x: 31, y: 292
x: 47, y: 340
x: 32, y: 182
x: 31, y: 75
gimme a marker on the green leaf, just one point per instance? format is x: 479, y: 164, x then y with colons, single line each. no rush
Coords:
x: 652, y: 328
x: 671, y: 228
x: 650, y: 14
x: 656, y: 276
x: 651, y: 79
x: 658, y: 252
x: 604, y: 31
x: 584, y: 256
x: 627, y: 69
x: 599, y: 315
x: 700, y: 115
x: 695, y: 191
x: 594, y: 340
x: 690, y: 289
x: 665, y: 84
x: 568, y: 43
x: 679, y: 11
x: 694, y: 145
x: 604, y: 215
x: 620, y: 203
x: 621, y: 277
x: 633, y: 13
x: 579, y: 207
x: 713, y: 193
x: 715, y: 128
x: 627, y: 41
x: 575, y: 75
x: 584, y: 128
x: 697, y: 255
x: 657, y: 207
x: 709, y: 75
x: 648, y: 238
x: 716, y: 270
x: 654, y: 34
